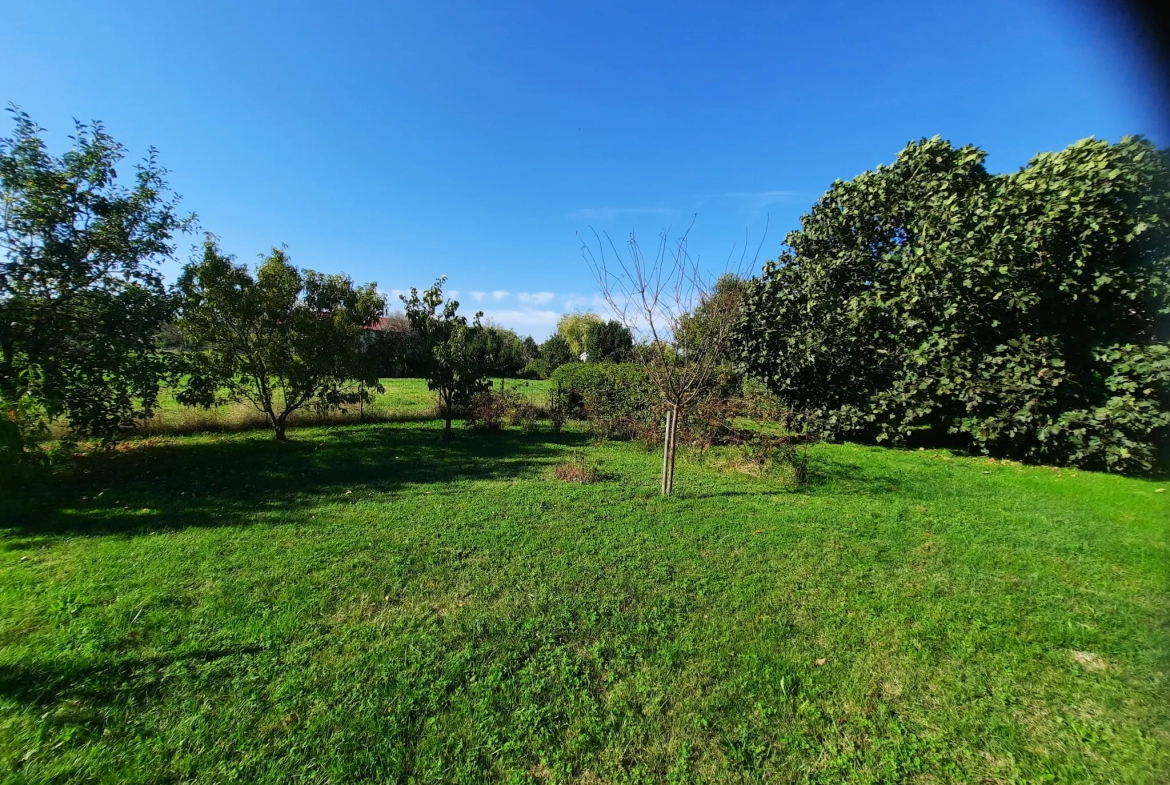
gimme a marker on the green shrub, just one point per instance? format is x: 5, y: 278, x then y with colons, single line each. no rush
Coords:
x: 536, y: 369
x: 618, y: 399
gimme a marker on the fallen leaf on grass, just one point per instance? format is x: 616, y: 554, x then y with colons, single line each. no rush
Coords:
x: 821, y: 661
x: 347, y: 493
x: 759, y: 531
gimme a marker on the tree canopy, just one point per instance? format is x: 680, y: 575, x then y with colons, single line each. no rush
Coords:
x: 283, y: 340
x: 81, y: 295
x: 574, y: 328
x: 1024, y: 315
x: 455, y: 364
x: 608, y: 342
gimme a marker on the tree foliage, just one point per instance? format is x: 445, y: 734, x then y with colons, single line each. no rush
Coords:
x: 574, y: 328
x: 608, y: 342
x: 1023, y: 315
x: 81, y: 296
x: 556, y: 351
x: 283, y: 340
x: 503, y: 352
x: 455, y: 364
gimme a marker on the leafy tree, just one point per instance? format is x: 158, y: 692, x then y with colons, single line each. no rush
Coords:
x: 556, y: 351
x: 398, y: 348
x: 503, y: 352
x: 1024, y: 315
x: 537, y: 369
x: 697, y: 327
x: 456, y: 365
x: 530, y: 349
x: 574, y: 328
x: 81, y: 296
x: 609, y: 342
x: 283, y: 340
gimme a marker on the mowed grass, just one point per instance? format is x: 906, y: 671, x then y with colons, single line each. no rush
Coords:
x: 369, y: 604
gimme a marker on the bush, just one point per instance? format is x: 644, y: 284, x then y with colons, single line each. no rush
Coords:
x: 489, y: 410
x: 558, y: 406
x: 536, y: 369
x: 617, y: 399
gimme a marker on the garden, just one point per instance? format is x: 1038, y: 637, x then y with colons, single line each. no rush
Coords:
x: 890, y: 508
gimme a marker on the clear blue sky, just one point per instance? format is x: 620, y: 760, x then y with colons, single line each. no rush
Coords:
x: 397, y: 142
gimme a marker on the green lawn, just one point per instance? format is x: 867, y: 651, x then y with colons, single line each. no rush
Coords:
x: 368, y: 604
x: 403, y: 399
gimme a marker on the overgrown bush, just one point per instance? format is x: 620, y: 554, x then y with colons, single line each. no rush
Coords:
x: 490, y: 409
x: 1023, y: 315
x: 617, y: 399
x: 558, y: 406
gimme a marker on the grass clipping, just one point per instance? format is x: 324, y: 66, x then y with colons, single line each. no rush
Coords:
x: 577, y: 468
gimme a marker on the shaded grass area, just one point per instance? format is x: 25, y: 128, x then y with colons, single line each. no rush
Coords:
x: 404, y: 400
x: 369, y: 604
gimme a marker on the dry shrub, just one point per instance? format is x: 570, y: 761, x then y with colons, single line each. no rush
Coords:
x: 489, y: 410
x: 577, y: 468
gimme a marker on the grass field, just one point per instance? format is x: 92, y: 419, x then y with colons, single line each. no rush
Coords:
x: 368, y: 604
x: 403, y: 400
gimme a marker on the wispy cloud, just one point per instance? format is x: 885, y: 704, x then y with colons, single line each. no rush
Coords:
x: 539, y: 323
x: 500, y: 294
x: 478, y: 296
x: 535, y: 298
x: 602, y: 214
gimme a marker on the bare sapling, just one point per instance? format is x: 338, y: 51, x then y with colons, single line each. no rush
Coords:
x: 682, y: 320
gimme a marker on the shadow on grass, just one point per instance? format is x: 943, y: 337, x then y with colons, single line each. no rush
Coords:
x: 234, y: 480
x: 845, y: 477
x: 47, y: 684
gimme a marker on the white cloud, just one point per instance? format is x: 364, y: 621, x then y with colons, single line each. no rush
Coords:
x: 539, y: 323
x: 585, y: 302
x: 535, y: 298
x: 528, y: 318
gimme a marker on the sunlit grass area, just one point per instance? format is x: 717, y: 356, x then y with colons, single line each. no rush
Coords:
x: 402, y: 400
x: 369, y: 604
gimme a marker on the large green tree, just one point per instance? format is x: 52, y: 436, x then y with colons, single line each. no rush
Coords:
x: 282, y: 340
x: 574, y: 328
x: 1024, y: 315
x: 455, y: 363
x: 81, y: 296
x: 608, y: 342
x: 556, y: 351
x: 503, y: 351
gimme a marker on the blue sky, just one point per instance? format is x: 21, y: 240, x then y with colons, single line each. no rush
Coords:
x: 398, y: 142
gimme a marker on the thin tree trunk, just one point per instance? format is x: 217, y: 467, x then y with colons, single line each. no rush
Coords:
x: 447, y: 428
x: 668, y: 451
